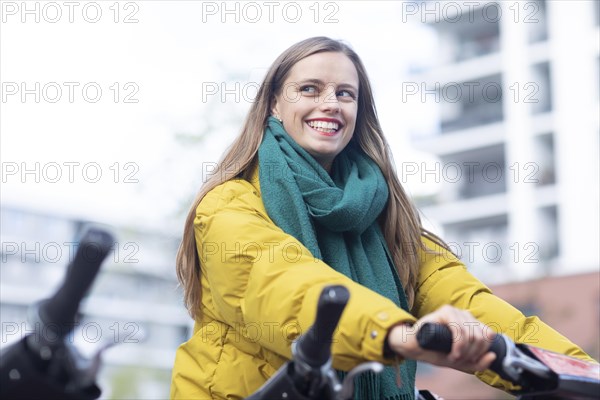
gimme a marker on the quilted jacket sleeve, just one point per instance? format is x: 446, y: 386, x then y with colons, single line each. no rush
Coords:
x: 264, y: 279
x: 445, y: 280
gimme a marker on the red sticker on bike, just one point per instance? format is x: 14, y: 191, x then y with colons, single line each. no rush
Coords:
x: 565, y: 365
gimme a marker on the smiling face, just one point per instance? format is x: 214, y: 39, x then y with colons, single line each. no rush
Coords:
x: 318, y: 104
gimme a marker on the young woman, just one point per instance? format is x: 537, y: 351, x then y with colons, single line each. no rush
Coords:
x: 307, y: 197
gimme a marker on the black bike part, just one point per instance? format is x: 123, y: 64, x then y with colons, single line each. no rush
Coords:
x: 21, y: 378
x: 313, y: 348
x: 41, y: 365
x: 58, y: 312
x: 302, y: 378
x: 279, y: 386
x: 425, y: 395
x: 498, y: 347
x: 438, y: 337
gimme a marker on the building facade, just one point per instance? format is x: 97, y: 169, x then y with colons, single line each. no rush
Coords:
x: 516, y: 89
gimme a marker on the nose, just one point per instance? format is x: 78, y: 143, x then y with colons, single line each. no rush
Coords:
x: 329, y: 101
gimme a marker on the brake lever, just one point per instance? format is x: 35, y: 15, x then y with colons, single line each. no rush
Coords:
x: 516, y: 362
x: 348, y: 384
x: 86, y: 369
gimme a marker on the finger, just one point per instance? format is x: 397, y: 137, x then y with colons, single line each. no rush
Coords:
x: 472, y: 344
x: 485, y: 361
x: 478, y: 345
x: 462, y: 340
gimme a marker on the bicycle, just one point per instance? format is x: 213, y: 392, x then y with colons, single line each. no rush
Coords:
x: 47, y: 366
x: 540, y: 373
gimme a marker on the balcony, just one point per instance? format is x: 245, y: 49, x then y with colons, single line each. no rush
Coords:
x: 470, y: 35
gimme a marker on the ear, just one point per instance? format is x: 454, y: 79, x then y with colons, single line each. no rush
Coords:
x: 274, y: 107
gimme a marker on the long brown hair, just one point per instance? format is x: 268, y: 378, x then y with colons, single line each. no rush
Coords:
x: 399, y: 221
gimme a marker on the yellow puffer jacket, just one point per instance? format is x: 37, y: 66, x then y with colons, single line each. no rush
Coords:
x: 260, y: 288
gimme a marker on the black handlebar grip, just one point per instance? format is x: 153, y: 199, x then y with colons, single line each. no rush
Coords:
x: 438, y: 337
x: 499, y: 348
x: 58, y: 312
x: 435, y: 337
x: 314, y: 347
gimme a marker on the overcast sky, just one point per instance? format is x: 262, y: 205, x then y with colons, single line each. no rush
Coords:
x: 94, y: 94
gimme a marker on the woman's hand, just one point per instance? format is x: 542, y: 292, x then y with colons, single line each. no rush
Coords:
x: 470, y: 344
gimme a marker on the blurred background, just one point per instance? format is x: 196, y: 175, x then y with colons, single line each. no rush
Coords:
x: 113, y: 113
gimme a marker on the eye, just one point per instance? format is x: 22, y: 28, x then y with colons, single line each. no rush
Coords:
x: 308, y: 89
x: 347, y: 94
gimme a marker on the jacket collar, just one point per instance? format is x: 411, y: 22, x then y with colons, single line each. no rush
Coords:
x: 255, y: 179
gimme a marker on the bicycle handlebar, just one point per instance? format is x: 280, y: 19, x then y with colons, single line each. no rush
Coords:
x: 438, y: 337
x: 540, y: 373
x: 58, y: 312
x: 43, y: 364
x: 313, y: 348
x: 309, y: 374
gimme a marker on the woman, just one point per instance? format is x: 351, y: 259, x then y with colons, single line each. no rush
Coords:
x: 307, y: 197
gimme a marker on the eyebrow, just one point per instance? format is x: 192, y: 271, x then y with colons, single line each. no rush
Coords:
x: 321, y: 83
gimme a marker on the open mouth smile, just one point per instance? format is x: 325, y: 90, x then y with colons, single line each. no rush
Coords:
x: 326, y: 127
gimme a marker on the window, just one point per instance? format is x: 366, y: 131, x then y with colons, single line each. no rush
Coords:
x: 469, y: 104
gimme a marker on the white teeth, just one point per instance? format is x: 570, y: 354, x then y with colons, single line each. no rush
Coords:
x: 324, y: 126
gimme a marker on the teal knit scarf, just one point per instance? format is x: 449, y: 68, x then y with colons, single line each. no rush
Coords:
x: 335, y: 218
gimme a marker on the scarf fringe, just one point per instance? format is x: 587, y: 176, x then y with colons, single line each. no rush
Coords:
x: 369, y: 383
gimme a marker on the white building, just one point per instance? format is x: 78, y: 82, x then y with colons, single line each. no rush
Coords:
x: 517, y: 93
